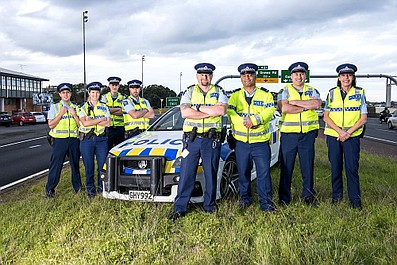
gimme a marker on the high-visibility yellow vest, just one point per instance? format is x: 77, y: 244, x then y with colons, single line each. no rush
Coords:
x: 303, y: 122
x: 115, y: 120
x: 344, y: 113
x: 129, y: 122
x: 98, y: 111
x: 67, y: 126
x: 210, y: 99
x: 260, y: 111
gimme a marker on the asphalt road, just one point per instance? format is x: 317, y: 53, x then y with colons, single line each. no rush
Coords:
x: 24, y: 150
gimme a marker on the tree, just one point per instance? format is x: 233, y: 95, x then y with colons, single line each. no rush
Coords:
x: 154, y: 93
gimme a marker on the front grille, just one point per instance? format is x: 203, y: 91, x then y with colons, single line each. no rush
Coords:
x: 138, y: 164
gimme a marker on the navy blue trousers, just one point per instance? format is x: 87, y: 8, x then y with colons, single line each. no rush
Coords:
x: 260, y: 154
x: 204, y: 148
x: 349, y: 153
x: 95, y: 147
x: 290, y: 145
x: 61, y: 148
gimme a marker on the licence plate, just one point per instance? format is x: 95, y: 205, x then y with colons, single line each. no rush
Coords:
x: 140, y: 195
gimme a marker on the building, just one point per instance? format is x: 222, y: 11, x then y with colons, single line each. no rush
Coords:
x: 17, y: 90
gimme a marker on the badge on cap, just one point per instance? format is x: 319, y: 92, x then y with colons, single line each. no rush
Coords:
x: 204, y: 68
x: 134, y: 83
x: 298, y: 67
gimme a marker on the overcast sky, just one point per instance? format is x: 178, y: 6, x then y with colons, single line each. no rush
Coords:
x: 44, y: 38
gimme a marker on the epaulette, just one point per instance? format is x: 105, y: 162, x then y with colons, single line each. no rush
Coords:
x: 187, y: 89
x: 238, y: 89
x: 358, y: 88
x: 264, y: 89
x: 218, y: 86
x: 333, y: 88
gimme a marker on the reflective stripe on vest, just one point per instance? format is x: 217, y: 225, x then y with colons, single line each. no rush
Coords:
x: 99, y: 111
x: 67, y: 126
x: 210, y: 99
x: 344, y: 113
x: 129, y: 122
x: 261, y: 101
x: 115, y: 120
x: 303, y: 122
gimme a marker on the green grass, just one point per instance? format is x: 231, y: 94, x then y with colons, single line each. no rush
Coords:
x: 71, y: 229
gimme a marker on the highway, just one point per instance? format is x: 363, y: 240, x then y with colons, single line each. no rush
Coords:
x: 24, y: 150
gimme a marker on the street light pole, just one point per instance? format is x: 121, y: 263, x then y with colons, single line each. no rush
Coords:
x: 85, y: 20
x: 180, y: 83
x: 143, y: 59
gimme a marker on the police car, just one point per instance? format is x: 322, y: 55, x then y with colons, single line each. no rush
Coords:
x: 146, y: 167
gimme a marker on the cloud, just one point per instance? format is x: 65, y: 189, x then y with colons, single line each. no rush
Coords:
x: 46, y: 36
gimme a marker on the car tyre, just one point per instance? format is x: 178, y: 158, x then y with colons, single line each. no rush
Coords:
x: 20, y: 123
x: 229, y: 181
x: 389, y: 125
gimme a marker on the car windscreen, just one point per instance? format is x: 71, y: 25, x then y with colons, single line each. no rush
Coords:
x: 170, y: 121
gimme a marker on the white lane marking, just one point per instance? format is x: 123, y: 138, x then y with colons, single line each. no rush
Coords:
x: 27, y: 178
x: 34, y: 146
x: 381, y: 140
x: 24, y: 141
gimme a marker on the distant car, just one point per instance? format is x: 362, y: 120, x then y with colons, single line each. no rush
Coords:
x: 320, y: 113
x: 22, y: 118
x: 40, y: 117
x: 5, y: 119
x: 392, y: 121
x: 146, y: 167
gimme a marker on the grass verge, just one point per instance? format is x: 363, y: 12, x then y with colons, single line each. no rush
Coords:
x: 71, y: 229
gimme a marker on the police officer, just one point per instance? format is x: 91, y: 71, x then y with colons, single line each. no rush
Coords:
x: 94, y: 118
x: 202, y: 106
x: 63, y: 122
x: 345, y: 114
x: 250, y: 110
x: 137, y: 111
x: 114, y: 100
x: 299, y: 128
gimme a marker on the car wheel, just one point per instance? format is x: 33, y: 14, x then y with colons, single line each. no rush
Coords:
x: 229, y: 181
x: 20, y: 123
x: 389, y: 125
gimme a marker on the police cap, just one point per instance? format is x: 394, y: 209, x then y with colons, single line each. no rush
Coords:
x: 204, y: 68
x: 114, y: 80
x: 64, y: 86
x: 134, y: 83
x: 247, y: 68
x: 94, y: 86
x: 298, y: 67
x: 346, y: 68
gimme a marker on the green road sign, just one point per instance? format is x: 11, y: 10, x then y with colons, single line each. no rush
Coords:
x: 267, y: 76
x: 172, y: 101
x: 286, y: 76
